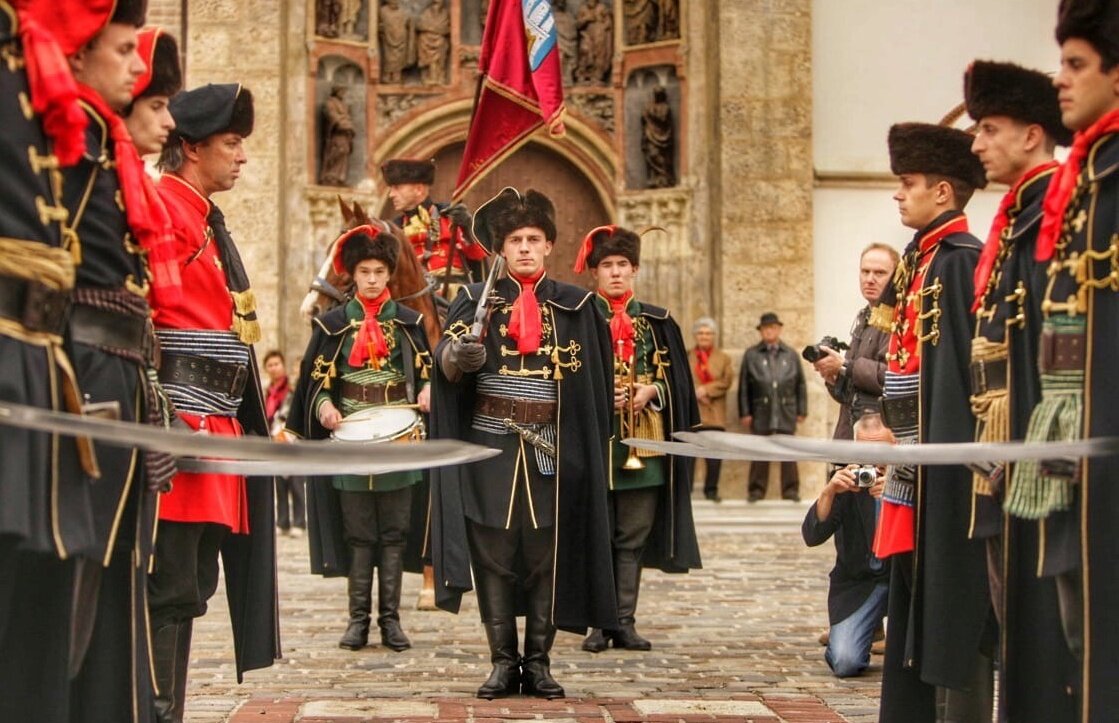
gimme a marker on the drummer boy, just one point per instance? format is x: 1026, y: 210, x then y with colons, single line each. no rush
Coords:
x: 367, y: 353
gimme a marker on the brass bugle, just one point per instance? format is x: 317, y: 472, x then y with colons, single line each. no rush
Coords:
x: 633, y: 462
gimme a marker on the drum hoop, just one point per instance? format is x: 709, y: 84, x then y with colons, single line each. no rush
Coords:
x: 371, y: 413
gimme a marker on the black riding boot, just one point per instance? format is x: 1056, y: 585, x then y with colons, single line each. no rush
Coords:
x: 495, y: 601
x: 596, y: 642
x: 360, y: 588
x: 389, y: 578
x: 627, y: 577
x: 536, y: 674
x: 171, y: 657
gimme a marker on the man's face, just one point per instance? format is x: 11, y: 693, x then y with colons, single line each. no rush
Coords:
x: 1001, y: 146
x: 371, y: 276
x: 110, y: 65
x: 525, y: 249
x: 274, y: 368
x: 614, y: 276
x: 1084, y: 90
x: 917, y: 200
x: 705, y: 338
x: 219, y: 159
x: 406, y: 196
x: 149, y: 123
x: 876, y: 268
x: 771, y: 333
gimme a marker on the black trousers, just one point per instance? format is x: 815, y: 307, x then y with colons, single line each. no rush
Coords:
x: 291, y: 513
x: 518, y: 556
x: 370, y: 519
x: 712, y: 467
x: 634, y: 512
x: 185, y: 574
x: 759, y: 478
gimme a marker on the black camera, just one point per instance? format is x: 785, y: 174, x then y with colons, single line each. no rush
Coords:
x: 865, y: 476
x: 813, y: 353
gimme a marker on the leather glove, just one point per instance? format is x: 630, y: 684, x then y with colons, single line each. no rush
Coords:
x: 467, y: 353
x: 459, y: 216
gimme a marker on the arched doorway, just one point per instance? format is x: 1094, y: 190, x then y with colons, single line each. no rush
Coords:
x: 578, y: 206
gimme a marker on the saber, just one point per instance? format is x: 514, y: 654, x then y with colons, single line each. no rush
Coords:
x: 436, y: 453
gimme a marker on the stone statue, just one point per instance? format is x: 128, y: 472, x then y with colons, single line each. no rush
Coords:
x: 433, y: 42
x: 658, y: 141
x: 641, y: 21
x: 326, y: 18
x: 338, y: 139
x: 348, y: 18
x: 398, y: 47
x: 668, y: 20
x: 596, y: 43
x: 567, y: 36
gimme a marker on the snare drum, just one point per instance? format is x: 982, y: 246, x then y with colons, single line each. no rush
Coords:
x: 381, y: 424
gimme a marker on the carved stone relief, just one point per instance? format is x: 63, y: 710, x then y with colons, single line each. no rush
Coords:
x: 340, y: 122
x: 672, y: 260
x: 390, y: 108
x: 414, y: 41
x: 342, y: 19
x: 652, y: 113
x: 650, y: 21
x: 597, y: 106
x: 594, y: 22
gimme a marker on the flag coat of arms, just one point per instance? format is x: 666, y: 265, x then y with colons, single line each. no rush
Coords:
x: 520, y: 89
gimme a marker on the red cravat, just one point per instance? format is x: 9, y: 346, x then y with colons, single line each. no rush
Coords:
x: 702, y: 372
x: 370, y: 343
x: 524, y: 320
x: 621, y: 325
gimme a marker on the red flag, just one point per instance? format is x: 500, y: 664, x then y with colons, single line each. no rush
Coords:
x: 521, y: 88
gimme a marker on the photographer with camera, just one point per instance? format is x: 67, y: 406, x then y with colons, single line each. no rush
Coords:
x: 847, y: 509
x: 855, y: 378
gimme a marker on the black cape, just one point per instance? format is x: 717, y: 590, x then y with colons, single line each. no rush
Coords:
x: 330, y: 555
x: 583, y: 576
x: 935, y: 633
x: 672, y: 545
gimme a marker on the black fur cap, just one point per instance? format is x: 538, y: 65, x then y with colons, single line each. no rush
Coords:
x: 408, y: 170
x: 940, y: 150
x: 1096, y: 21
x: 130, y: 12
x: 165, y: 75
x: 1020, y: 93
x: 508, y: 211
x: 622, y: 242
x: 361, y: 247
x: 202, y: 112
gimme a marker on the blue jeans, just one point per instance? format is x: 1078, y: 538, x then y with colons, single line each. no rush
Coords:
x: 848, y: 651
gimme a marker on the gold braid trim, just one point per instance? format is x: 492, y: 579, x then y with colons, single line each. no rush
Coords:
x: 991, y: 408
x: 882, y: 318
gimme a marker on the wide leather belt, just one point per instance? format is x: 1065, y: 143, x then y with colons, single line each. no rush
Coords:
x: 524, y: 411
x: 100, y: 327
x: 35, y: 306
x: 1062, y: 352
x: 900, y: 412
x: 198, y: 371
x: 374, y: 393
x: 988, y: 375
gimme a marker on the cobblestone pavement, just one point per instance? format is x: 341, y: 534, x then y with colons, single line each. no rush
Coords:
x: 734, y: 641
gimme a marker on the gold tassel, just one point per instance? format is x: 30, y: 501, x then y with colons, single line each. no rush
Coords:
x: 244, y: 301
x: 557, y: 374
x: 882, y: 318
x: 991, y: 408
x: 247, y: 331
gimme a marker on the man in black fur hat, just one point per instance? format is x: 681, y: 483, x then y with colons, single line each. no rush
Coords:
x: 531, y: 522
x: 370, y: 352
x: 209, y: 371
x: 439, y: 234
x: 1075, y: 503
x: 148, y: 117
x: 1018, y: 125
x: 654, y: 396
x: 941, y: 632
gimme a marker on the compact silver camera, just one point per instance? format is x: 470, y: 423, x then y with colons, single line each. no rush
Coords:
x: 865, y: 476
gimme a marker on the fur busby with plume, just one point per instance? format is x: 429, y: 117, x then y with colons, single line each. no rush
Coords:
x: 939, y: 150
x: 508, y: 211
x: 363, y: 243
x: 992, y: 89
x: 160, y: 53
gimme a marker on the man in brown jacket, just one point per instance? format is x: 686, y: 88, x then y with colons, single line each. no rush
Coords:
x: 713, y: 373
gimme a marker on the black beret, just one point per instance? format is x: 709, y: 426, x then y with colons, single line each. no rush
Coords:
x: 1096, y: 21
x: 935, y: 149
x: 508, y: 211
x: 130, y: 12
x: 1020, y: 93
x: 408, y: 170
x: 203, y: 112
x: 616, y: 242
x: 357, y: 246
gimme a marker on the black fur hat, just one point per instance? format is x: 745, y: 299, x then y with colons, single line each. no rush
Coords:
x: 940, y: 150
x: 130, y: 12
x: 508, y: 211
x: 408, y: 170
x: 1096, y: 21
x: 161, y: 54
x: 202, y: 112
x: 1011, y: 90
x: 362, y: 243
x: 615, y: 241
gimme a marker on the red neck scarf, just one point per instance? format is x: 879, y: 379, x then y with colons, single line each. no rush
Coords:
x: 54, y: 93
x: 370, y: 343
x: 1061, y: 187
x: 524, y: 320
x: 277, y: 391
x: 147, y: 216
x: 990, y: 253
x: 621, y: 325
x: 702, y: 371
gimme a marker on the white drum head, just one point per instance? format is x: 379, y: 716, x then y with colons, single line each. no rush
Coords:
x: 377, y: 424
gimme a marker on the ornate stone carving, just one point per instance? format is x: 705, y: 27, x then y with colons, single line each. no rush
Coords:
x: 348, y: 17
x: 338, y: 138
x: 658, y: 140
x: 390, y: 108
x: 433, y: 42
x: 647, y: 21
x: 598, y: 106
x: 398, y: 41
x: 596, y: 43
x: 327, y: 13
x: 567, y: 37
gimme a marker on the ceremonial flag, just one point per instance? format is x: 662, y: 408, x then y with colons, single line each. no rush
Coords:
x: 520, y: 89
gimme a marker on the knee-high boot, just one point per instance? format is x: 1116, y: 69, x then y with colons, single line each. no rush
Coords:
x: 390, y: 575
x: 171, y: 657
x: 360, y: 589
x: 627, y: 578
x: 495, y: 600
x: 536, y: 673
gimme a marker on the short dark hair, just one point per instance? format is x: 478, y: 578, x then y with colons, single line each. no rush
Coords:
x: 273, y: 353
x: 961, y: 190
